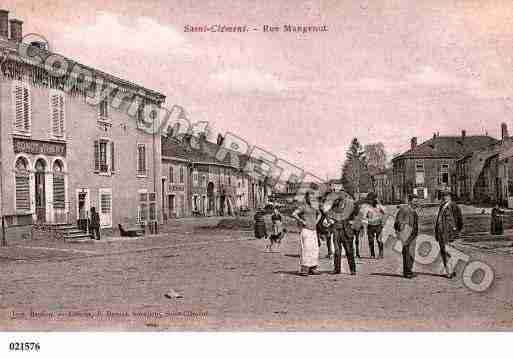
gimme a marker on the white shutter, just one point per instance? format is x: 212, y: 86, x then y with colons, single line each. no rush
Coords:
x: 22, y: 192
x: 57, y: 113
x: 27, y: 108
x: 22, y: 106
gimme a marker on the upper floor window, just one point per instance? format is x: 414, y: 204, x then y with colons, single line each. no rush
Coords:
x: 22, y: 107
x: 195, y: 177
x: 57, y: 112
x: 171, y: 174
x: 141, y: 160
x: 419, y: 165
x: 104, y: 110
x: 182, y: 177
x: 104, y: 156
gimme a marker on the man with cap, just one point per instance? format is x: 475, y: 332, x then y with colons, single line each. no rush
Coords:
x: 449, y: 223
x: 406, y: 226
x: 341, y: 213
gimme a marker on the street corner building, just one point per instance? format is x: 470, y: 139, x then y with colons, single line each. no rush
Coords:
x: 427, y: 169
x: 62, y: 152
x: 196, y: 183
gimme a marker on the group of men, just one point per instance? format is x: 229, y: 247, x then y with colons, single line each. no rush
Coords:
x: 341, y: 222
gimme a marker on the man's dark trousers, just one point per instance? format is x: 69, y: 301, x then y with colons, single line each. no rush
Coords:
x: 95, y: 233
x: 408, y: 256
x: 342, y: 239
x: 373, y: 233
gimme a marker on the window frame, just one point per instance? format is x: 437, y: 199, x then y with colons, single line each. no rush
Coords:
x: 26, y: 107
x: 141, y: 172
x: 62, y: 113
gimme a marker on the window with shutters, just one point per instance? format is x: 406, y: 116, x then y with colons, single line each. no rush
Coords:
x: 171, y: 174
x: 22, y: 101
x: 103, y: 111
x: 57, y: 112
x: 141, y: 160
x: 104, y: 157
x: 147, y: 209
x: 22, y: 180
x: 195, y: 176
x: 59, y: 196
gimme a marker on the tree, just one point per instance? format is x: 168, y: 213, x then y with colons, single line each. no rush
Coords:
x: 376, y: 157
x: 355, y: 174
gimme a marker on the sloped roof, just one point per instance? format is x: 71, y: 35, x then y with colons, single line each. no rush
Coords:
x: 448, y: 147
x: 180, y: 148
x: 11, y: 50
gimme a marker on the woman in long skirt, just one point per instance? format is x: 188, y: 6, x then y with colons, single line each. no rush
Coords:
x: 497, y: 224
x: 308, y: 216
x: 260, y: 229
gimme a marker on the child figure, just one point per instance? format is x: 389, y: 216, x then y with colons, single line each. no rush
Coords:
x: 277, y: 230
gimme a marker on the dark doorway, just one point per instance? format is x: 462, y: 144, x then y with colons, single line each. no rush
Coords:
x: 40, y: 191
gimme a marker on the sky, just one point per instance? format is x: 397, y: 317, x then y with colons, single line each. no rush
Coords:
x: 385, y: 71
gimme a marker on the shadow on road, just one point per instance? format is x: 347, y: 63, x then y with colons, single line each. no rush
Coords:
x: 292, y: 255
x: 431, y: 274
x: 388, y: 275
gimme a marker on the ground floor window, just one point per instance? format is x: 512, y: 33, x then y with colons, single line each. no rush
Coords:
x: 147, y: 209
x: 59, y: 196
x: 22, y: 180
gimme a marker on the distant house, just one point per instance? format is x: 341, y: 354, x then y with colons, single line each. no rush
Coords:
x: 425, y: 169
x: 486, y: 175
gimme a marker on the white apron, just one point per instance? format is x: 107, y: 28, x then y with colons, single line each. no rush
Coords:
x: 309, y: 248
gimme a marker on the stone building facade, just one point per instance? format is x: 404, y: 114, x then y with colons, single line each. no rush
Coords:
x: 63, y: 152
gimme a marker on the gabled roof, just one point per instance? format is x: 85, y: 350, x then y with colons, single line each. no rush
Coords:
x: 448, y: 147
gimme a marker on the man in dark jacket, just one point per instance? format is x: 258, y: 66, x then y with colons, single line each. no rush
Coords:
x: 407, y: 228
x: 449, y: 223
x: 95, y: 224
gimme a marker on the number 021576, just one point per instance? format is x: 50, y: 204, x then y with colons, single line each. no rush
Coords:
x: 24, y: 346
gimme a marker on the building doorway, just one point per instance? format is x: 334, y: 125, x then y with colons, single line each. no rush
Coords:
x: 210, y: 195
x: 171, y: 206
x: 40, y: 191
x: 82, y: 208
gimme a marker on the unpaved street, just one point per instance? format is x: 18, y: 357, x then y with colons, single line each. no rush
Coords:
x: 229, y: 283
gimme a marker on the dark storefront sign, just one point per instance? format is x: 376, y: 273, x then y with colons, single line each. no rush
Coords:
x: 176, y: 188
x: 37, y: 147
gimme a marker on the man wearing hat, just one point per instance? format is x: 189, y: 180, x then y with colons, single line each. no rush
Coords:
x: 449, y: 223
x: 341, y: 214
x: 407, y: 227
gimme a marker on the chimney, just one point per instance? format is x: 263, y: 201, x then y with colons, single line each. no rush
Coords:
x: 504, y: 131
x: 413, y: 142
x: 4, y: 23
x: 16, y: 30
x: 220, y: 139
x: 463, y: 134
x: 434, y: 135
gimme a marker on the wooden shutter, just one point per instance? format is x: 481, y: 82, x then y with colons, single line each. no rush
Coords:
x: 96, y: 156
x: 58, y: 191
x: 18, y: 106
x: 22, y: 192
x: 112, y: 157
x: 26, y: 108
